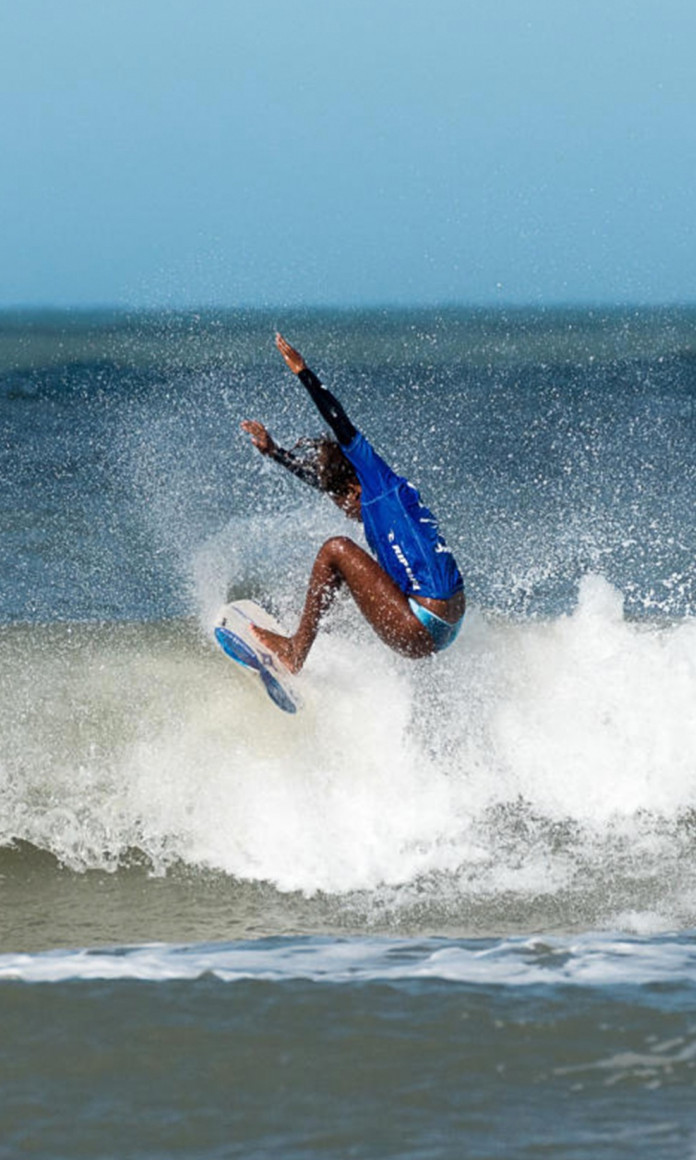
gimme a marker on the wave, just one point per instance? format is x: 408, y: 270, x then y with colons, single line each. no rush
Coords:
x: 593, y: 960
x: 533, y: 758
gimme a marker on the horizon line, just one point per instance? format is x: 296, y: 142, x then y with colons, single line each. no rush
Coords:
x: 194, y: 308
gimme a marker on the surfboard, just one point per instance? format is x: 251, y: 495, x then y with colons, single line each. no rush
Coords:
x: 233, y: 634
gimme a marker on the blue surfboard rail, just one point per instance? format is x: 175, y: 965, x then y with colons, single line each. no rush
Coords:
x: 239, y: 651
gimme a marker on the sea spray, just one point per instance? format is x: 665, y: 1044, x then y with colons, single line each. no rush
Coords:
x: 530, y: 757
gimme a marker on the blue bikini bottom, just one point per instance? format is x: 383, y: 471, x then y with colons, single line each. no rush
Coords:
x: 442, y: 632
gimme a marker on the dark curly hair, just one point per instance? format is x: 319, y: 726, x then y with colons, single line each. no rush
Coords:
x: 334, y: 472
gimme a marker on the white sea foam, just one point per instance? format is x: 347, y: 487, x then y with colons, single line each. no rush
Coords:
x: 508, y: 763
x: 590, y: 960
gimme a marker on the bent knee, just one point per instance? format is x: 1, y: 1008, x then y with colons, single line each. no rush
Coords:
x: 338, y: 547
x: 341, y: 553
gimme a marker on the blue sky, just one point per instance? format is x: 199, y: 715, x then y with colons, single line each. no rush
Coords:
x: 347, y: 152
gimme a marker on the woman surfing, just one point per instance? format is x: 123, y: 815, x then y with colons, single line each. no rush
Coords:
x: 411, y: 591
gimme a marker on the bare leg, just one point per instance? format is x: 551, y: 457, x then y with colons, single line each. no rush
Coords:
x: 380, y: 600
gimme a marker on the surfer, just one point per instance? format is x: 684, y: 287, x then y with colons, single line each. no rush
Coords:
x: 411, y: 591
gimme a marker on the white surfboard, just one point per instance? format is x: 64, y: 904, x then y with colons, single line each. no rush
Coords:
x: 233, y: 634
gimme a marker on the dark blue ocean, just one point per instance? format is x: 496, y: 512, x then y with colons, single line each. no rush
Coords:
x: 449, y: 909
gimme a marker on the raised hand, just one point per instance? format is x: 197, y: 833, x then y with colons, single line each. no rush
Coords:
x: 259, y: 436
x: 292, y: 357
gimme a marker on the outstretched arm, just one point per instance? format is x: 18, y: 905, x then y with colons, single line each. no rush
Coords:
x: 327, y: 404
x: 262, y: 440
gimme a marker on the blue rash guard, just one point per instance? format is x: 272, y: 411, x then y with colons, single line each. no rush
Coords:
x: 401, y: 531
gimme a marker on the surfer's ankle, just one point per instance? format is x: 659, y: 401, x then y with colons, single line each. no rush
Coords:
x: 298, y: 662
x: 282, y: 647
x: 290, y: 656
x: 266, y: 636
x: 290, y: 653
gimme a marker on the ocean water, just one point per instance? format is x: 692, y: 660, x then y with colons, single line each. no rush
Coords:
x: 449, y: 909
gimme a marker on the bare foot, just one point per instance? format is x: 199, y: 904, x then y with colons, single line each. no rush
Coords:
x: 282, y: 647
